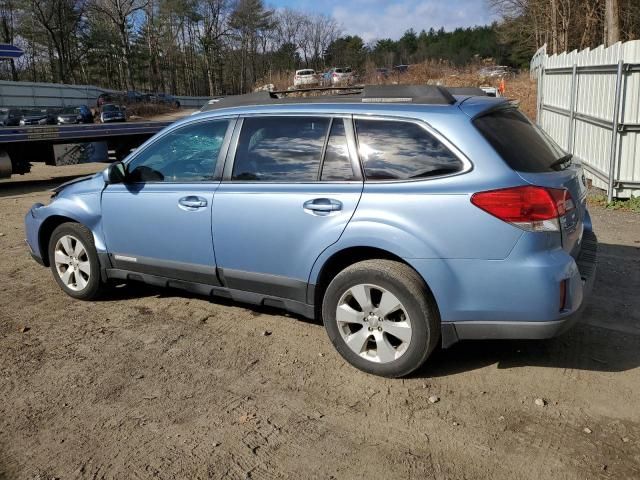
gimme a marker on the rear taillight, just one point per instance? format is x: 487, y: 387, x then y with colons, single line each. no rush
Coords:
x: 535, y: 209
x: 335, y: 75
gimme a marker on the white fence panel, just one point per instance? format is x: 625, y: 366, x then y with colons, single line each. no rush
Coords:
x: 589, y: 102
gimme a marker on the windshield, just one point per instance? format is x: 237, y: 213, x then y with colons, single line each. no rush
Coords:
x: 521, y: 144
x: 110, y: 108
x: 70, y: 110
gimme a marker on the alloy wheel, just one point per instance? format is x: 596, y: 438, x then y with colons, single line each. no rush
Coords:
x: 373, y: 323
x: 72, y: 262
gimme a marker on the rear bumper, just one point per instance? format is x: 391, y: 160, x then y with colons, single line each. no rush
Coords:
x: 581, y: 285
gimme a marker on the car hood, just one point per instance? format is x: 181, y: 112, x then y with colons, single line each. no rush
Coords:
x: 64, y: 185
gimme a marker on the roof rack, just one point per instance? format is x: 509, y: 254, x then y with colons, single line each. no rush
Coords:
x: 415, y: 94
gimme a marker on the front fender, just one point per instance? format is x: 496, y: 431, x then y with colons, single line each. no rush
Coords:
x: 82, y: 208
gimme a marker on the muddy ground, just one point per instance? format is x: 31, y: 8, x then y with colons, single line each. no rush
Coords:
x: 152, y: 383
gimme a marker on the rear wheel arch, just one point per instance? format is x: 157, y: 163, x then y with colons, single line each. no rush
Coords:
x: 342, y: 259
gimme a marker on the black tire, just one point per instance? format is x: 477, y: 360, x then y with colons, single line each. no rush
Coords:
x: 81, y: 233
x: 409, y: 288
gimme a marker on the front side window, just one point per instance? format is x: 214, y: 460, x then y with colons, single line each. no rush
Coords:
x: 280, y: 149
x: 187, y: 154
x: 395, y: 150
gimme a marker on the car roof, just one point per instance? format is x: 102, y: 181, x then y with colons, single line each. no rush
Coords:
x: 416, y: 94
x: 471, y: 101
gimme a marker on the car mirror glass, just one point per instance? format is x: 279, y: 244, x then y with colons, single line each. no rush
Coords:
x: 115, y: 173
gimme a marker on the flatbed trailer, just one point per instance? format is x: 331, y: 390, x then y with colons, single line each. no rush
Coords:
x: 19, y: 146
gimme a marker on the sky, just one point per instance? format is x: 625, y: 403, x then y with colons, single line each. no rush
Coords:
x: 376, y: 19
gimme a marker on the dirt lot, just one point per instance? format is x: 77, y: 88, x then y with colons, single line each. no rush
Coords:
x: 151, y: 383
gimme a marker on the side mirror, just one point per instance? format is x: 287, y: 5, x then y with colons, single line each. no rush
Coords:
x: 115, y: 173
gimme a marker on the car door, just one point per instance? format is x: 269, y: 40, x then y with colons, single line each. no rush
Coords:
x: 158, y: 221
x: 290, y: 186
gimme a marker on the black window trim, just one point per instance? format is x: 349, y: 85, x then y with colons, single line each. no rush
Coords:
x: 217, y: 173
x: 351, y: 144
x: 467, y: 166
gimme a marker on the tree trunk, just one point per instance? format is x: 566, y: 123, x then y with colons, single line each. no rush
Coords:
x: 612, y: 22
x: 554, y: 26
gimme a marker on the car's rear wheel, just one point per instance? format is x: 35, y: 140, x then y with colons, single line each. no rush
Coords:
x: 74, y: 261
x: 381, y: 317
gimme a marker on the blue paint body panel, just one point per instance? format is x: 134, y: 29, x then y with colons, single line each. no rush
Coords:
x: 479, y: 268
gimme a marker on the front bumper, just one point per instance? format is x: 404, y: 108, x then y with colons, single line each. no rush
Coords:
x: 32, y: 222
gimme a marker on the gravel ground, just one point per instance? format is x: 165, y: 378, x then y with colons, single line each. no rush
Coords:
x: 151, y: 383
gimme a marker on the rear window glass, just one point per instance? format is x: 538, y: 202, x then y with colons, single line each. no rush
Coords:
x: 391, y: 150
x: 337, y: 165
x: 521, y: 144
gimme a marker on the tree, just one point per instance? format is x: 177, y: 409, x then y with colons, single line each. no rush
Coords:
x: 248, y: 20
x: 612, y: 22
x: 120, y: 13
x: 7, y: 29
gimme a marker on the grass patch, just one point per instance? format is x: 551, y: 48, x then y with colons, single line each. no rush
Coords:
x: 629, y: 205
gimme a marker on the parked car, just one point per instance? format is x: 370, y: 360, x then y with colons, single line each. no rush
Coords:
x: 80, y: 114
x: 132, y: 96
x: 382, y: 73
x: 403, y: 217
x: 496, y: 71
x: 37, y: 117
x: 338, y: 75
x: 166, y: 99
x: 400, y: 69
x: 103, y: 99
x: 10, y: 117
x: 112, y: 113
x: 306, y: 78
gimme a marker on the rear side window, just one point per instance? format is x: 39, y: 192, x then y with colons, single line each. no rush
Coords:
x: 280, y: 149
x: 337, y: 165
x: 522, y: 145
x: 391, y: 150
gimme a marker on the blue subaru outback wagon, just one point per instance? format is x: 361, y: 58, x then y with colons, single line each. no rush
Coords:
x: 403, y: 217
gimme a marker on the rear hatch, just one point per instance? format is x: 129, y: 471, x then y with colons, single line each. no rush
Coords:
x: 538, y: 160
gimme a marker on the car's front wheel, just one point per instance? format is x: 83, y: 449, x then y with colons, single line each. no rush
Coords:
x: 381, y: 317
x: 74, y: 261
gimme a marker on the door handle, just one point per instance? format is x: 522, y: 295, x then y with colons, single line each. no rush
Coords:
x: 192, y: 202
x: 323, y: 205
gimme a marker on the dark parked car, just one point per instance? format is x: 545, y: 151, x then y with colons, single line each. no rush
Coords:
x: 37, y: 117
x: 400, y: 69
x: 382, y: 73
x: 103, y: 99
x: 80, y: 114
x: 134, y: 97
x: 10, y: 117
x: 112, y: 113
x: 167, y: 99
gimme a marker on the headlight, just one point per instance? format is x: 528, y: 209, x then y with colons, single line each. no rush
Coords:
x: 61, y: 120
x: 22, y: 123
